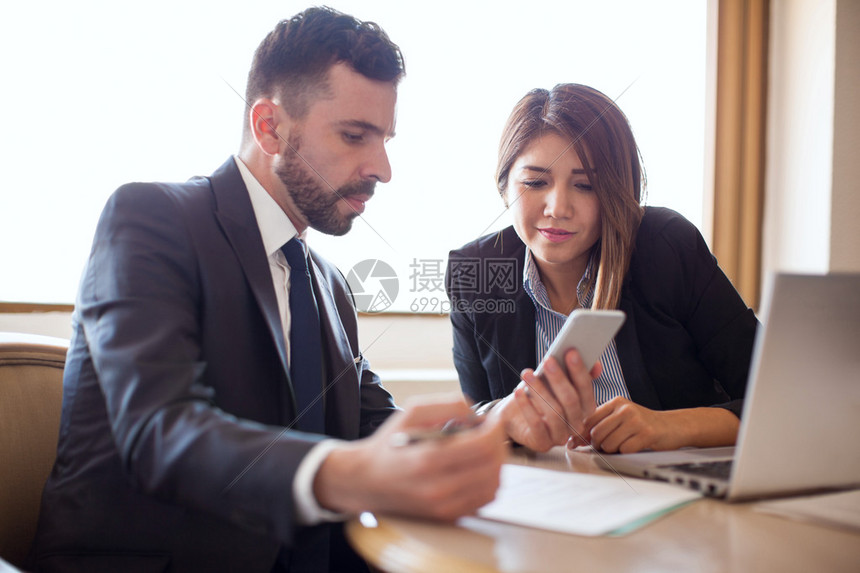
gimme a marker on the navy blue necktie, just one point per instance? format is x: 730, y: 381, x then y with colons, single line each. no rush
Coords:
x: 306, y: 367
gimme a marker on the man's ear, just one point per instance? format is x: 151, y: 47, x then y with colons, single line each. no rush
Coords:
x: 265, y: 117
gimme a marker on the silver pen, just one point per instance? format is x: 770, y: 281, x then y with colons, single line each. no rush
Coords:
x: 451, y: 428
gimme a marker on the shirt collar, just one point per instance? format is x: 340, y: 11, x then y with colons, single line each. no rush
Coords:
x: 536, y: 290
x: 275, y: 227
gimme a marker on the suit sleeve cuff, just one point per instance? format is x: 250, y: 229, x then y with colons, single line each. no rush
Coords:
x: 308, y: 511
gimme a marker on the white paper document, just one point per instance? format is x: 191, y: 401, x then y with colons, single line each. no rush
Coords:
x: 579, y: 503
x: 838, y: 509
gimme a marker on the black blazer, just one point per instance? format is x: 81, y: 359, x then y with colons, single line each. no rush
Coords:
x: 687, y: 340
x: 173, y: 453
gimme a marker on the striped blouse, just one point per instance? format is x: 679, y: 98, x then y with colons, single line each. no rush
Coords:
x: 549, y: 322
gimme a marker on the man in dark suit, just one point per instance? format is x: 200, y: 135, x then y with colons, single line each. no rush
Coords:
x: 179, y: 445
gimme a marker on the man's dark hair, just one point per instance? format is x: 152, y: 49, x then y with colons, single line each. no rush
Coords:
x: 293, y: 61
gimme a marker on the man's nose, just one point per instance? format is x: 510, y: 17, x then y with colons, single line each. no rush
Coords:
x: 377, y: 166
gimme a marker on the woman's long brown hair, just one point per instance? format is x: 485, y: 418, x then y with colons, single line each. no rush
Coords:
x: 601, y: 136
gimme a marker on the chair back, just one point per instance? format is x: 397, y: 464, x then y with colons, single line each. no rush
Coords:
x: 31, y: 396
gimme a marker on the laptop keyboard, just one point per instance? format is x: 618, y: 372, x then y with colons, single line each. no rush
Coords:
x: 719, y: 469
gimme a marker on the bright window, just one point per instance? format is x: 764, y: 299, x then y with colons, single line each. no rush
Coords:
x: 97, y: 94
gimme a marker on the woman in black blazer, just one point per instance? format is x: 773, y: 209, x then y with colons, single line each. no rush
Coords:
x: 675, y: 375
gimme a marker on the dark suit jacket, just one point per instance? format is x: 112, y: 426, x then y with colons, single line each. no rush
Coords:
x: 687, y: 340
x: 173, y: 452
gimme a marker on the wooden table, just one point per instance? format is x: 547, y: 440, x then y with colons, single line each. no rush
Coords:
x: 707, y: 535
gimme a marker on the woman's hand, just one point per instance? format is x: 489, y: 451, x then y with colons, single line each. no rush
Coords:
x: 622, y: 426
x: 542, y: 413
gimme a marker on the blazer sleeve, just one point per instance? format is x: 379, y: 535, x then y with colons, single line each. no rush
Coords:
x: 474, y: 381
x: 140, y: 306
x: 376, y: 402
x: 704, y: 300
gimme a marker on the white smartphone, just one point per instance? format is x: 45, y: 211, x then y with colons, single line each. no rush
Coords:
x: 589, y: 331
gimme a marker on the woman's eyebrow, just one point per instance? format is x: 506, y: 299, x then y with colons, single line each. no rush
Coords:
x: 534, y: 168
x: 545, y: 169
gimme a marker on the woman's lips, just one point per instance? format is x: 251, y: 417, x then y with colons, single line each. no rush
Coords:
x: 555, y: 235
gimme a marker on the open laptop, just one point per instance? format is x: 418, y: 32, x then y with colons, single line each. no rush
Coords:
x: 801, y: 419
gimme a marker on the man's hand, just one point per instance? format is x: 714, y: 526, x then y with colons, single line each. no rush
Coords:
x: 442, y: 478
x: 626, y: 427
x: 541, y: 414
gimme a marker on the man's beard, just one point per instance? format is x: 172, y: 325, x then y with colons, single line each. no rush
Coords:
x: 316, y: 201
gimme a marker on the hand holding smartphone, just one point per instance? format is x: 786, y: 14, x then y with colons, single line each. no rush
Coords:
x: 589, y: 331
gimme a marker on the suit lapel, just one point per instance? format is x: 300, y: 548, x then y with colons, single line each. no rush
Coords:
x: 236, y: 217
x: 510, y: 335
